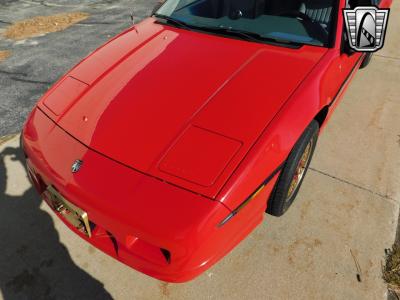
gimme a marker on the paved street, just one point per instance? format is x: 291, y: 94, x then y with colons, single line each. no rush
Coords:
x: 345, y: 215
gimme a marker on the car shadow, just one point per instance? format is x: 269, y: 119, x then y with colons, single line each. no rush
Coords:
x: 34, y: 264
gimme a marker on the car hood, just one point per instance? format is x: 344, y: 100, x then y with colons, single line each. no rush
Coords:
x: 182, y: 106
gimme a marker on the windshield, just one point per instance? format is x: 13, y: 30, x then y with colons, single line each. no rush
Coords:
x: 287, y: 21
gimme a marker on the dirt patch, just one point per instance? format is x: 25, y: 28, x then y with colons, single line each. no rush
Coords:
x: 42, y: 25
x: 304, y: 210
x: 4, y: 55
x: 164, y: 289
x: 301, y: 253
x: 391, y: 271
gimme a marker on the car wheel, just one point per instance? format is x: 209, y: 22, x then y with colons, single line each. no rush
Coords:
x: 366, y: 61
x: 293, y: 172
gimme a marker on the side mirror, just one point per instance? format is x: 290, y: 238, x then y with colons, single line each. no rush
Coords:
x: 347, y: 49
x: 157, y: 7
x: 346, y: 46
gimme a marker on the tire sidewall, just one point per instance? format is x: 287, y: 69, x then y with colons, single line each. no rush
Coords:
x: 279, y: 203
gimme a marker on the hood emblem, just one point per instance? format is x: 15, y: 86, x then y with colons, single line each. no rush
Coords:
x: 76, y: 166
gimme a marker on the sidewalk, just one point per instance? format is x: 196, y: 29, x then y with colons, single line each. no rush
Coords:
x: 345, y: 215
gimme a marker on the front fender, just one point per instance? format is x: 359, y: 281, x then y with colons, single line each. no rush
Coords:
x: 274, y: 145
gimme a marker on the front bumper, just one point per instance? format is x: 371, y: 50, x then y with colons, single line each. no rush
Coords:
x: 154, y: 227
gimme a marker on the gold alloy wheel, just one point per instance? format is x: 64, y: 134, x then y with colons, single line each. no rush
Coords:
x: 300, y: 170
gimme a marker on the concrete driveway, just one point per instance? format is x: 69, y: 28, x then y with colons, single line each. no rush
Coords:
x: 344, y: 217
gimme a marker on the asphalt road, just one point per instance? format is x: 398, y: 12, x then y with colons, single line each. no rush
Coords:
x: 38, y: 62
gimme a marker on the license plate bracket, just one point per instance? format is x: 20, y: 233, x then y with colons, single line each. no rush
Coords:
x: 69, y: 211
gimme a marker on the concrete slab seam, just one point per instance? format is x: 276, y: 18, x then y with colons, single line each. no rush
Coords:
x: 385, y: 197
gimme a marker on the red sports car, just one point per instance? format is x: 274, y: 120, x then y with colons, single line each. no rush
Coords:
x: 165, y: 147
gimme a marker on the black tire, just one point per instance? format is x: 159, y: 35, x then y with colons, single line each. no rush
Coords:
x: 366, y: 61
x: 281, y: 199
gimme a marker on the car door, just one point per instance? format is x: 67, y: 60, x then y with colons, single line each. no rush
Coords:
x: 343, y: 64
x: 342, y: 67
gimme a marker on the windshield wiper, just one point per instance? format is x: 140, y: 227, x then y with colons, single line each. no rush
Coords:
x: 248, y: 35
x: 243, y: 34
x: 172, y: 20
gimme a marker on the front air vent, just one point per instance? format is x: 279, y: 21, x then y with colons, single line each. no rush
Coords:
x: 166, y: 254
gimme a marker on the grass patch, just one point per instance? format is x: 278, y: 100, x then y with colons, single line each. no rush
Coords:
x: 391, y: 271
x: 4, y: 54
x: 42, y: 25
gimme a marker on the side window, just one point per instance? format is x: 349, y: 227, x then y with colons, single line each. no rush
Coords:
x: 355, y: 3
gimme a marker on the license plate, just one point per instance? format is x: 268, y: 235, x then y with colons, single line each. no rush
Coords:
x: 70, y: 212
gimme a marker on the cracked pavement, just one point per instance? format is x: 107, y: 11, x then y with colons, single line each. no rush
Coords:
x: 345, y: 215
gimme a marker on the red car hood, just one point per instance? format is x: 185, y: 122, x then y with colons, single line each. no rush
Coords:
x: 181, y: 106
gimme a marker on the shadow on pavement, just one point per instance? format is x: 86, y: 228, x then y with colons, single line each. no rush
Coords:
x: 33, y: 262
